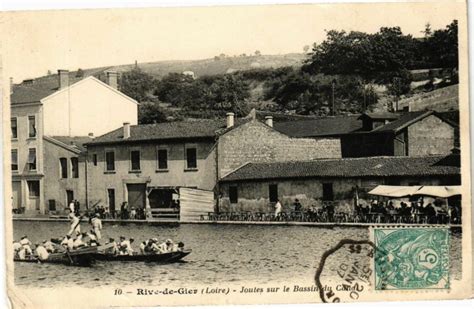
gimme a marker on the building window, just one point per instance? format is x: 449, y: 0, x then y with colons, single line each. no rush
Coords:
x: 14, y: 125
x: 191, y: 158
x: 63, y: 167
x: 162, y: 159
x: 14, y: 159
x: 31, y: 126
x: 32, y: 159
x: 233, y: 194
x: 273, y: 193
x: 110, y: 161
x: 75, y: 167
x: 33, y: 188
x: 328, y: 193
x: 94, y: 159
x: 52, y: 205
x: 135, y: 160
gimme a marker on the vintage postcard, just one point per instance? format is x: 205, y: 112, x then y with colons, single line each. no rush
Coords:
x: 236, y: 155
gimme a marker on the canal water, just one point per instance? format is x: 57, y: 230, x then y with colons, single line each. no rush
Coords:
x: 221, y: 254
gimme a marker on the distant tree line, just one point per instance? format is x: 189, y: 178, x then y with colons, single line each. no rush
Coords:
x: 342, y: 70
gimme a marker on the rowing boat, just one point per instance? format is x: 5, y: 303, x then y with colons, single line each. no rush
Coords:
x: 79, y: 257
x: 169, y: 257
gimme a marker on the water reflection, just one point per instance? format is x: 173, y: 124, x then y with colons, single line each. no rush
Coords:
x: 221, y: 253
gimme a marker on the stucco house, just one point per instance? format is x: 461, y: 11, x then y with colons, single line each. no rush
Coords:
x: 255, y: 187
x: 378, y: 134
x: 146, y: 165
x: 46, y: 110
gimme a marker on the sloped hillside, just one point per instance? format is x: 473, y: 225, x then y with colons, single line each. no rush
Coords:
x: 440, y: 100
x: 220, y: 65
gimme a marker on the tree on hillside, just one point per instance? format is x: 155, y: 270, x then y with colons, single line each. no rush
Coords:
x: 177, y: 89
x: 442, y: 47
x: 305, y: 48
x: 210, y: 94
x: 370, y: 56
x: 257, y: 53
x: 136, y: 84
x: 150, y: 112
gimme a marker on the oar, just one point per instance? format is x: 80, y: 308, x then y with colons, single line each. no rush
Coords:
x: 70, y: 258
x: 78, y: 222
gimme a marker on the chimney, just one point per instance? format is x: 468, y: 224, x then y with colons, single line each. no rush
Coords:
x: 269, y: 121
x: 126, y: 130
x: 11, y: 85
x: 230, y: 120
x: 63, y: 78
x: 112, y: 79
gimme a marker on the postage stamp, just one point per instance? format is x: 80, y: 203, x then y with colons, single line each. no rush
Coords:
x: 411, y: 258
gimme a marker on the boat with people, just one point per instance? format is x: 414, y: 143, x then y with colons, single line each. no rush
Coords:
x: 84, y: 248
x: 150, y: 251
x: 168, y: 257
x: 80, y: 257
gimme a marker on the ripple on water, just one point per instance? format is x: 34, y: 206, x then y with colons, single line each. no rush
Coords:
x: 221, y: 253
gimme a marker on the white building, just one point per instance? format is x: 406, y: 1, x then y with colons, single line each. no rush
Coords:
x: 51, y: 108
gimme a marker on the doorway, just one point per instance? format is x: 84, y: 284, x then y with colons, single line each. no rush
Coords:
x: 111, y: 199
x: 16, y: 195
x: 162, y: 198
x: 136, y: 195
x: 69, y: 197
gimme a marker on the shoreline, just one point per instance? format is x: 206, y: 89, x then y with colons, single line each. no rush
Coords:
x: 277, y: 223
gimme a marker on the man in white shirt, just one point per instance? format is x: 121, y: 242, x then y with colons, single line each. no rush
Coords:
x: 72, y: 207
x: 41, y: 252
x: 278, y: 208
x: 167, y: 246
x: 16, y: 248
x: 125, y: 246
x: 49, y: 246
x: 97, y: 226
x: 75, y: 225
x: 78, y: 242
x: 26, y: 245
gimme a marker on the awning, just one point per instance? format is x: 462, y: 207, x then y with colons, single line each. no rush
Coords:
x: 439, y: 191
x: 394, y: 191
x: 405, y: 191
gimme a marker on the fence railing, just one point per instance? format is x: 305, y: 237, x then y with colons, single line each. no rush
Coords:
x: 332, y: 217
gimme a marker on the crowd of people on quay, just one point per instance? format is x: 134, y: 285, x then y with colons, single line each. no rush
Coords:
x: 76, y: 239
x: 375, y: 211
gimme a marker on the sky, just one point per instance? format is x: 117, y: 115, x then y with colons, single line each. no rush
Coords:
x: 38, y: 41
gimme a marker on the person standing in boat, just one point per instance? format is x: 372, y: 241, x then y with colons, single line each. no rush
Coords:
x: 72, y: 207
x: 97, y: 226
x: 75, y: 224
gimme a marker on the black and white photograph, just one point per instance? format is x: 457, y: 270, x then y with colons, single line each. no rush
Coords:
x: 236, y: 155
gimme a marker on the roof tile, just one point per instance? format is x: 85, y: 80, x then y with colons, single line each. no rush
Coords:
x: 349, y: 167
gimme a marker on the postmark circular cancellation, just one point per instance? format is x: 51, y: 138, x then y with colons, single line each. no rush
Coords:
x: 344, y: 272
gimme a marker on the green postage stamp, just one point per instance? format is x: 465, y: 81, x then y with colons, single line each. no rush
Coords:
x: 411, y: 258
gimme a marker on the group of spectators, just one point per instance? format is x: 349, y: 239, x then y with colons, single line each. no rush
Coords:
x: 415, y: 211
